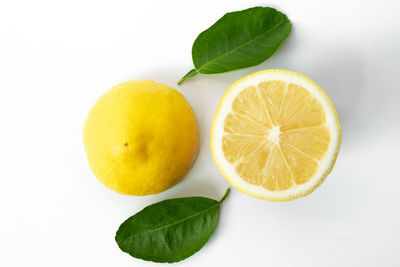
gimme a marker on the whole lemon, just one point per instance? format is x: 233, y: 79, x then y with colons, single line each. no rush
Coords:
x: 141, y: 137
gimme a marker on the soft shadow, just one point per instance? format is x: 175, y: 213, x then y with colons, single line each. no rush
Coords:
x: 339, y: 73
x: 193, y: 186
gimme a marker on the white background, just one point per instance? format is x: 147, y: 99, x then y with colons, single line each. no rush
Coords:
x: 58, y: 57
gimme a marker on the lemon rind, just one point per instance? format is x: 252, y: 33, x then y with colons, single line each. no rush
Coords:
x: 327, y: 163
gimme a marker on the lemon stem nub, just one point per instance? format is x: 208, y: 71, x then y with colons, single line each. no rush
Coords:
x: 225, y: 196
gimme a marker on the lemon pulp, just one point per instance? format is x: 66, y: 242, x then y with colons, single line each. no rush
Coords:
x: 274, y: 132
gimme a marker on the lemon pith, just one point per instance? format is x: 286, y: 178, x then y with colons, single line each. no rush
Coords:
x: 140, y: 137
x: 275, y: 135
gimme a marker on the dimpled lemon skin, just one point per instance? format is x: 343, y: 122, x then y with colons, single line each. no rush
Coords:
x: 141, y: 137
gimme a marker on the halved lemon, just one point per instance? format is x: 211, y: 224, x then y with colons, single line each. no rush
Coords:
x: 276, y: 135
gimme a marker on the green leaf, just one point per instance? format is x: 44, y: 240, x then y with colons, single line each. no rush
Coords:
x: 170, y: 230
x: 188, y: 75
x: 239, y: 40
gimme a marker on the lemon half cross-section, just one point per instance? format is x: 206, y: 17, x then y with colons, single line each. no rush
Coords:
x: 275, y: 135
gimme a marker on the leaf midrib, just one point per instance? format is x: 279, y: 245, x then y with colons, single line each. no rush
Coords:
x: 240, y: 46
x: 171, y: 224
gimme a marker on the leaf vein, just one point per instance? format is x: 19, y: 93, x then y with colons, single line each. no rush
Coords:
x: 241, y: 46
x: 171, y: 224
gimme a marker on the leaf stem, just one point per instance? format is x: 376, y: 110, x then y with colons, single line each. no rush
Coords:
x: 188, y: 75
x: 225, y: 196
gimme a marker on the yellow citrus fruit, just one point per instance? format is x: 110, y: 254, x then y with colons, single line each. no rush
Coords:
x: 141, y: 137
x: 276, y: 135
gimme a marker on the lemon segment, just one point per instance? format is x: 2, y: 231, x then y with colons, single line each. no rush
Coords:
x: 275, y: 135
x: 141, y: 137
